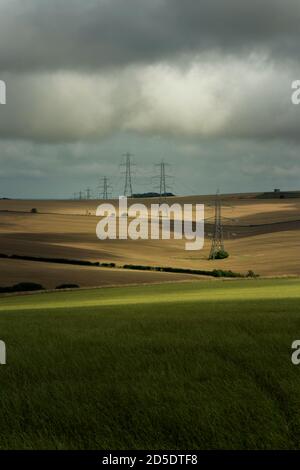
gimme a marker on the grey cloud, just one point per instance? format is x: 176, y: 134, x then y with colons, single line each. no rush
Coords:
x: 84, y: 70
x: 73, y: 34
x: 212, y: 97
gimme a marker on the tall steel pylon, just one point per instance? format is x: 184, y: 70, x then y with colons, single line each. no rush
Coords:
x: 217, y: 243
x: 128, y: 180
x: 104, y: 188
x: 163, y: 186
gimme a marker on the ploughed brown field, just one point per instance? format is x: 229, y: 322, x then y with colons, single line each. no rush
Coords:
x: 262, y: 235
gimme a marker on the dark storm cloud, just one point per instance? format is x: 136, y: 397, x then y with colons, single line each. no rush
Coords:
x: 72, y: 34
x: 211, y: 76
x: 79, y: 70
x: 212, y: 97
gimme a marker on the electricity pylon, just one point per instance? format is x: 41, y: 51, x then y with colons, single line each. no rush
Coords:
x: 88, y: 193
x: 104, y: 188
x: 217, y: 244
x: 163, y: 186
x: 128, y: 180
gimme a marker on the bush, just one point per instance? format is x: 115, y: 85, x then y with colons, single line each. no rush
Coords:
x: 27, y: 286
x: 214, y: 273
x: 138, y: 267
x: 22, y: 287
x: 56, y: 260
x: 34, y: 210
x: 221, y: 273
x: 251, y: 273
x: 67, y: 286
x: 221, y: 254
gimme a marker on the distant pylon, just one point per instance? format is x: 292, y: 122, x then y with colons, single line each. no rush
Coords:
x: 217, y: 244
x: 163, y: 187
x: 88, y: 193
x: 162, y: 184
x: 128, y: 180
x: 104, y: 188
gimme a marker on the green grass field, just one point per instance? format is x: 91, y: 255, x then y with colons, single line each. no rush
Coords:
x: 203, y: 365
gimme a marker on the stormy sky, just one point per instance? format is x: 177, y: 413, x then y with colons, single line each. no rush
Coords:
x: 206, y: 86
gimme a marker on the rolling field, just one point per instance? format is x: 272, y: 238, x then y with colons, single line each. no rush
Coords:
x: 197, y: 365
x: 51, y: 275
x: 262, y: 235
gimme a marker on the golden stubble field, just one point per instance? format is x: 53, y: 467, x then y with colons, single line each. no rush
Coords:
x: 261, y: 235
